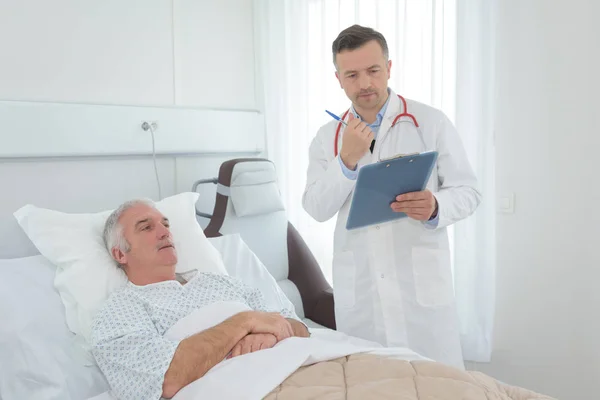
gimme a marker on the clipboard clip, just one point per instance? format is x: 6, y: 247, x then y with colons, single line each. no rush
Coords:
x: 399, y: 156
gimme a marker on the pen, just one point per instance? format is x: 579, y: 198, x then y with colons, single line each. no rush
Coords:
x: 336, y: 117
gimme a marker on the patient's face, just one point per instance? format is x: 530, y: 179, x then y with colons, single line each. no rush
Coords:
x: 151, y: 245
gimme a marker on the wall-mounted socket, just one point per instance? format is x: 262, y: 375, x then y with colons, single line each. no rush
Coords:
x: 506, y: 203
x: 146, y: 125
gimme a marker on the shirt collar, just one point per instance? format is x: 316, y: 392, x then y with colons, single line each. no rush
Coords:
x: 381, y: 112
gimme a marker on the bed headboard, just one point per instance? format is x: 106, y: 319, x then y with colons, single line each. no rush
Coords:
x: 81, y: 130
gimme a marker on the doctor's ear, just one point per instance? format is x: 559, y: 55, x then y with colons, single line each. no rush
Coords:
x: 389, y: 67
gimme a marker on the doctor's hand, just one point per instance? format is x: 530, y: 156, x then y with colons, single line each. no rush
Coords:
x: 253, y: 342
x: 356, y: 141
x: 421, y: 206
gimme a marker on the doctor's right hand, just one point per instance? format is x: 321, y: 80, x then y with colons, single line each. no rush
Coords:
x: 356, y: 141
x: 269, y: 322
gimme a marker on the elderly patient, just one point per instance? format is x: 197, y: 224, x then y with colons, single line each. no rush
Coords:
x: 127, y: 334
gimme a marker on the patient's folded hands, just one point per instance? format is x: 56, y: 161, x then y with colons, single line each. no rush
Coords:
x: 253, y: 342
x: 265, y: 329
x: 268, y: 322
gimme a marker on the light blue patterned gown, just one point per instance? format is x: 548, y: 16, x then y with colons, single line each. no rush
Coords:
x: 127, y: 334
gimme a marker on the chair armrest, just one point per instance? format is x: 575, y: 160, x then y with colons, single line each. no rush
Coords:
x: 306, y: 274
x: 323, y: 312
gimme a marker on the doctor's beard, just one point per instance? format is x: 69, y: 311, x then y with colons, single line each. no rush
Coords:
x: 369, y: 100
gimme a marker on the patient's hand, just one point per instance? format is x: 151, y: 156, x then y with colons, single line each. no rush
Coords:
x: 268, y: 322
x: 253, y: 342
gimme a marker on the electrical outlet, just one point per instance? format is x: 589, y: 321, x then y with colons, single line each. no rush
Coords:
x: 146, y: 125
x: 506, y: 204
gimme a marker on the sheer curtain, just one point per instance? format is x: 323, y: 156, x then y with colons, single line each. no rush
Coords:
x: 297, y: 83
x: 475, y: 239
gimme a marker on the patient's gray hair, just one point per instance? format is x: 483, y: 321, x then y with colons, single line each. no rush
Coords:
x: 113, y: 230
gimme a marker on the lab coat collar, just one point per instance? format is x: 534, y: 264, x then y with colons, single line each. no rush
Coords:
x: 392, y: 110
x: 394, y: 107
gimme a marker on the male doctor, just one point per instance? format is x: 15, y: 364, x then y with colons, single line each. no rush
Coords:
x: 392, y: 282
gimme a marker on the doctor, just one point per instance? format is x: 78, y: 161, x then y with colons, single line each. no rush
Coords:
x: 392, y: 282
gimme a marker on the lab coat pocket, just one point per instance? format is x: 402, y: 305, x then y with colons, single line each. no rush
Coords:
x: 432, y: 276
x: 344, y: 279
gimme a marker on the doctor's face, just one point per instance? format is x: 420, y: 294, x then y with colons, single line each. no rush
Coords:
x: 147, y: 232
x: 363, y: 73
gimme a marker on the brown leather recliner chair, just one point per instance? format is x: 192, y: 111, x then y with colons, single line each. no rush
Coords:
x: 248, y: 202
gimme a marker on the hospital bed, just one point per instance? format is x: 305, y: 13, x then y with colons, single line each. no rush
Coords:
x: 39, y: 356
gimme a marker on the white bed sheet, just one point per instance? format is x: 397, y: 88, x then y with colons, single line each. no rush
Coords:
x: 40, y: 358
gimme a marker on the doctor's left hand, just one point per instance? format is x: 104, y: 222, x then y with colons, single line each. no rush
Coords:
x: 253, y: 342
x: 421, y: 206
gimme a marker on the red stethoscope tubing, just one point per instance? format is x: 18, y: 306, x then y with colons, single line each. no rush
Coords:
x: 404, y: 114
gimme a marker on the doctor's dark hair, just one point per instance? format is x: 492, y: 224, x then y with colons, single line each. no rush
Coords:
x: 113, y: 230
x: 356, y: 36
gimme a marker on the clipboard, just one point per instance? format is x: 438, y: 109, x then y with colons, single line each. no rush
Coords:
x: 378, y: 184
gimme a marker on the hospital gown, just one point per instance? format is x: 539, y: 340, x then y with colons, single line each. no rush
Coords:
x: 127, y: 334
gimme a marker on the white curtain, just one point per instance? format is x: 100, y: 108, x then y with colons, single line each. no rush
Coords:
x: 475, y: 239
x: 297, y: 84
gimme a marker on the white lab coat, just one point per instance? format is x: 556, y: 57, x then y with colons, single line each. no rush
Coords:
x: 393, y: 282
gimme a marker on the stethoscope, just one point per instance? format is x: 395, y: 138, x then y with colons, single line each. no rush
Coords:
x: 402, y: 115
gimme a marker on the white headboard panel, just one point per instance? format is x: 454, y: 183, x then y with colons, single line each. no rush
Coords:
x: 32, y: 129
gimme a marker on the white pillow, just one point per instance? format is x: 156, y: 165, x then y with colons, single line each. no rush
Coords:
x: 39, y: 358
x: 241, y: 263
x: 86, y: 274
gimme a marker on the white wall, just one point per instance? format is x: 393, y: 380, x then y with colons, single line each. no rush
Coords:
x: 183, y: 53
x: 548, y: 138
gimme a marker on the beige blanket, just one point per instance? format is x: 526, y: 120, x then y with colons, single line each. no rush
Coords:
x: 365, y: 376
